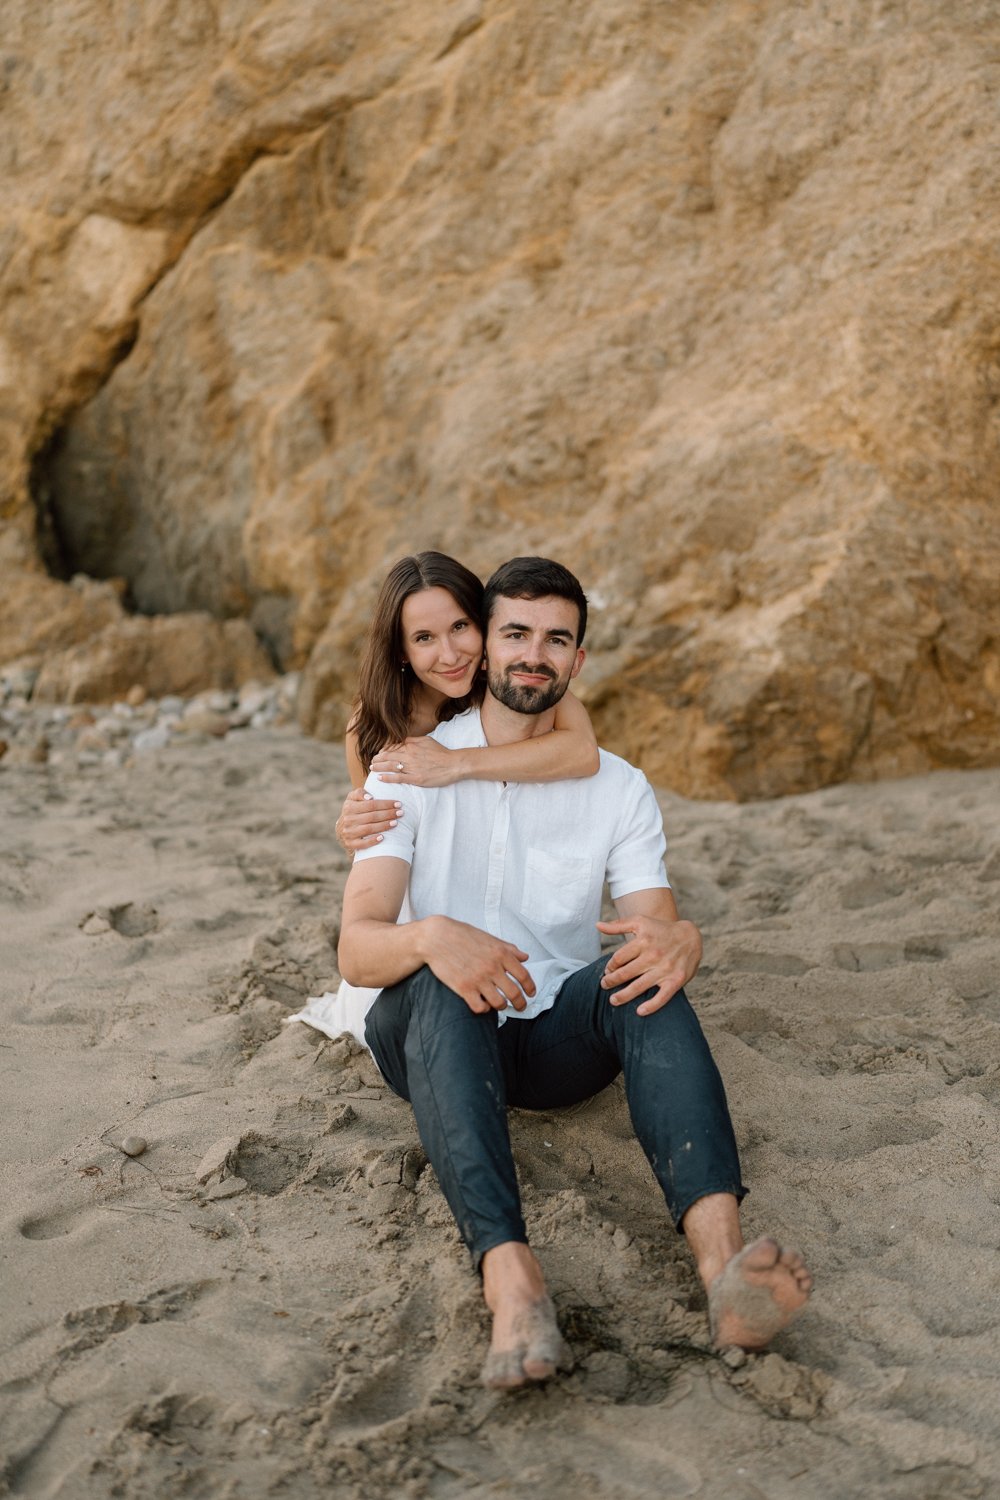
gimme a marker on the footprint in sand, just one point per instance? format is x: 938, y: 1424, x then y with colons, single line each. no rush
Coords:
x: 868, y: 890
x: 130, y: 920
x: 925, y: 950
x: 744, y: 961
x: 92, y: 1326
x: 403, y: 1361
x: 867, y: 957
x: 53, y: 1226
x: 268, y: 1165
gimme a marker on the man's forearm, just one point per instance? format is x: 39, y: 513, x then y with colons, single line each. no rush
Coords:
x: 487, y: 972
x: 376, y: 954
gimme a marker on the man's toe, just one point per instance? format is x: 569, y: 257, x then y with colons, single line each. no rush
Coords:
x: 504, y: 1369
x: 761, y: 1255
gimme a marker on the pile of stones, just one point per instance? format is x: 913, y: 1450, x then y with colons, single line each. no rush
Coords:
x: 114, y: 734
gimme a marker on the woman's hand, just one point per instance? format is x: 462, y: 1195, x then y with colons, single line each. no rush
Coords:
x: 363, y: 820
x: 418, y: 762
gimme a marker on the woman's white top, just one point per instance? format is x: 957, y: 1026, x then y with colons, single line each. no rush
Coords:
x: 344, y: 1011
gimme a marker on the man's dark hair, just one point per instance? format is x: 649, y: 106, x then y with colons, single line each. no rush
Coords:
x: 534, y: 578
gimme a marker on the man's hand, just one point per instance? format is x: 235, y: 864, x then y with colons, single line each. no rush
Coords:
x: 424, y: 763
x: 488, y: 973
x: 660, y: 954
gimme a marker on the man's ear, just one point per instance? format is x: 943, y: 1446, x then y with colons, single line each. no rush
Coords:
x: 581, y: 657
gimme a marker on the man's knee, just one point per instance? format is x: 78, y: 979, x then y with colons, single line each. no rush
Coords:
x: 672, y: 1032
x: 420, y: 1001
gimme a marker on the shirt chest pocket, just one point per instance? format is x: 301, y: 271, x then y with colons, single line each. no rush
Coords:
x: 556, y: 888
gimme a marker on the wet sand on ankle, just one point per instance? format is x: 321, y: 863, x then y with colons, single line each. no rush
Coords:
x: 304, y: 1322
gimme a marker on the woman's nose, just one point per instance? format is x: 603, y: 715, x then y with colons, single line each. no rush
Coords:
x: 447, y: 651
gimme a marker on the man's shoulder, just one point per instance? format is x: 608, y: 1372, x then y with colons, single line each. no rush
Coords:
x: 615, y: 770
x: 461, y: 732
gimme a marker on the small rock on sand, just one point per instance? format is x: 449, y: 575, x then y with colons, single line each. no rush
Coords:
x: 340, y: 1117
x: 134, y: 1145
x: 205, y: 721
x: 156, y: 738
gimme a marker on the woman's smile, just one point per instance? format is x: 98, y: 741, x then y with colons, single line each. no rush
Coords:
x: 456, y: 674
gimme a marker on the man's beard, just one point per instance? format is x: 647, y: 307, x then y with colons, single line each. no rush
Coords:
x: 522, y: 697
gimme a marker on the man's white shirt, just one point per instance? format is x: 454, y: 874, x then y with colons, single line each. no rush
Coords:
x: 526, y: 861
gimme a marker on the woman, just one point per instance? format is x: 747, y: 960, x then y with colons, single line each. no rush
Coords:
x: 423, y: 664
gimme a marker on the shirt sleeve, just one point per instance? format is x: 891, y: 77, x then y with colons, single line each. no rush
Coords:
x: 399, y: 841
x: 635, y: 862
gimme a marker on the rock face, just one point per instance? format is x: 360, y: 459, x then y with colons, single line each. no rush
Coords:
x: 702, y: 300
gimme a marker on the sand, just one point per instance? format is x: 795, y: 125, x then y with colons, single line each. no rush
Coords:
x: 307, y: 1324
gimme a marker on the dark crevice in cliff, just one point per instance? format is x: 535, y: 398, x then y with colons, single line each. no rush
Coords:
x: 61, y: 553
x: 58, y: 549
x: 51, y: 542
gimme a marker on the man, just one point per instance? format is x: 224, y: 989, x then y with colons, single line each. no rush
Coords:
x: 494, y: 991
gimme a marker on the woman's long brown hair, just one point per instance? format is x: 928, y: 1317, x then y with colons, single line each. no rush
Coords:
x: 385, y: 682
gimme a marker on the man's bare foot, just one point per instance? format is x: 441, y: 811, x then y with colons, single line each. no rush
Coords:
x: 526, y: 1343
x: 757, y: 1294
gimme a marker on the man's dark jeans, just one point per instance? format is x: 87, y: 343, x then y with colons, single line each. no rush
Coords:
x: 460, y: 1071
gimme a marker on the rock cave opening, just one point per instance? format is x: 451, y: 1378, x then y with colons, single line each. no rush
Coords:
x: 53, y: 545
x: 85, y: 526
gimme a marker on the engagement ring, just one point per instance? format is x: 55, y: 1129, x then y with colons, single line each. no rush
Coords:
x: 399, y: 765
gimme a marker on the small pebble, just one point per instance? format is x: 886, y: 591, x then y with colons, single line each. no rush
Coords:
x: 157, y: 738
x: 134, y: 1145
x: 205, y: 721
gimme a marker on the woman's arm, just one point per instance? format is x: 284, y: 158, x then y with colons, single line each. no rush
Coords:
x: 567, y: 752
x: 363, y: 819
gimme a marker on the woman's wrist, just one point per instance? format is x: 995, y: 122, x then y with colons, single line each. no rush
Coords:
x: 461, y: 764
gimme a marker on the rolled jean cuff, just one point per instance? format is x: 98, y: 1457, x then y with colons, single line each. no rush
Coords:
x: 490, y: 1242
x: 739, y: 1193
